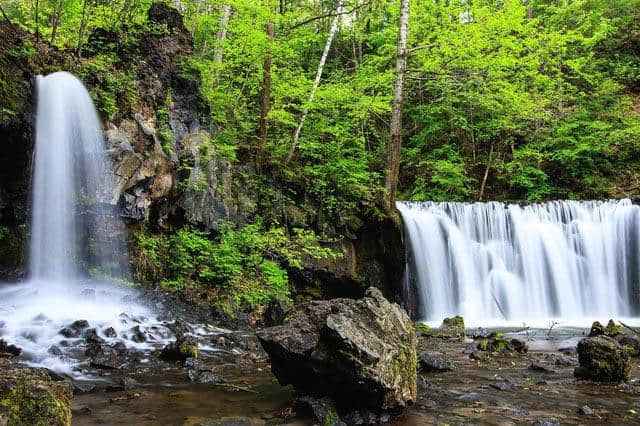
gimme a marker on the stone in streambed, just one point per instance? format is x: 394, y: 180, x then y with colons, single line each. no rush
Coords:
x: 361, y: 353
x: 585, y: 410
x: 602, y: 359
x: 431, y: 362
x: 184, y: 347
x: 322, y: 409
x: 611, y: 330
x: 110, y: 332
x: 10, y: 350
x: 453, y: 327
x: 91, y: 336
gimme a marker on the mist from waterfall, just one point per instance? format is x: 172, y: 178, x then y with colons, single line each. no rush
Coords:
x: 493, y: 262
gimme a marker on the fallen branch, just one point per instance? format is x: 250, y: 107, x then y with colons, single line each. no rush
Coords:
x: 636, y: 332
x: 236, y: 387
x: 553, y: 324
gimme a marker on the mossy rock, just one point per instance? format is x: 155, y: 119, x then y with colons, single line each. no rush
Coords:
x: 453, y: 327
x: 30, y: 397
x: 184, y: 347
x: 602, y: 359
x: 611, y: 330
x: 496, y: 342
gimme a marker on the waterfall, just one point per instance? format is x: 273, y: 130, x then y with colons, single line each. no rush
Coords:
x: 75, y: 230
x: 72, y: 175
x: 527, y: 262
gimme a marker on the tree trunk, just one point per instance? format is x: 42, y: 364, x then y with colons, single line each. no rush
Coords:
x: 57, y: 12
x: 395, y: 136
x: 266, y: 99
x: 332, y: 32
x: 37, y: 24
x: 486, y: 173
x: 225, y: 16
x: 83, y: 24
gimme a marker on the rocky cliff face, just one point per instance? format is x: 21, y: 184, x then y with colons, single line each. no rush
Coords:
x: 167, y: 169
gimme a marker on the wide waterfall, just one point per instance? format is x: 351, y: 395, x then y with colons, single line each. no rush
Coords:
x: 527, y: 262
x: 75, y: 230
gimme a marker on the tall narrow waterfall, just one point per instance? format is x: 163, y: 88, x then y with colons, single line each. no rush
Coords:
x: 495, y: 261
x: 71, y: 174
x: 75, y: 228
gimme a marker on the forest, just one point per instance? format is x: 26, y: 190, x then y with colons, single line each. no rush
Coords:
x: 335, y: 212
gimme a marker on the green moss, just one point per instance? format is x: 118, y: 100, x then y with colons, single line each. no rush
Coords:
x: 423, y: 329
x: 31, y: 399
x: 612, y: 329
x: 189, y: 350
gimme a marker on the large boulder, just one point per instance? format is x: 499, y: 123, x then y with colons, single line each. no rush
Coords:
x: 361, y: 353
x: 31, y: 397
x: 602, y: 359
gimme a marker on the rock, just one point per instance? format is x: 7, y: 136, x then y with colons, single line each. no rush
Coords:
x: 29, y: 397
x: 502, y: 385
x: 54, y: 350
x: 274, y: 314
x: 453, y: 327
x: 79, y: 325
x: 184, y: 347
x: 479, y: 356
x: 138, y: 335
x: 546, y: 422
x: 361, y: 353
x: 233, y: 421
x: 541, y: 368
x: 585, y: 410
x: 205, y: 376
x: 602, y: 359
x: 69, y: 332
x: 563, y: 361
x: 431, y: 362
x: 423, y: 329
x: 611, y: 330
x: 495, y: 342
x: 11, y: 350
x: 91, y: 336
x: 631, y: 345
x: 322, y: 409
x: 110, y: 332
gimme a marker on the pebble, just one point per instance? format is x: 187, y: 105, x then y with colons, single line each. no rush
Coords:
x: 585, y: 410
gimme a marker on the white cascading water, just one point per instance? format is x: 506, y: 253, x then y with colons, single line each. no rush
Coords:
x: 72, y: 175
x: 573, y: 261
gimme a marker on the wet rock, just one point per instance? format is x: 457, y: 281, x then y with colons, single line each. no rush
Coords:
x: 138, y: 335
x: 233, y: 421
x: 431, y: 362
x: 110, y: 332
x: 83, y: 389
x: 541, y: 368
x: 361, y: 353
x: 54, y: 350
x: 91, y: 336
x: 274, y: 314
x: 497, y: 343
x: 546, y: 422
x: 10, y: 350
x: 184, y: 347
x: 481, y: 333
x: 563, y: 361
x: 631, y: 345
x: 103, y: 357
x: 79, y: 325
x: 602, y: 359
x: 611, y: 330
x: 423, y: 329
x: 470, y: 397
x: 478, y: 355
x: 585, y: 410
x: 502, y: 385
x: 120, y: 348
x: 568, y: 350
x: 29, y: 397
x: 453, y: 327
x: 205, y: 376
x: 69, y: 332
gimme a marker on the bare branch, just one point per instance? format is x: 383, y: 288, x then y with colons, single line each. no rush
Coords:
x: 4, y: 15
x: 329, y: 15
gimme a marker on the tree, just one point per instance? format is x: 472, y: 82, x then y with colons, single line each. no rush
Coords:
x: 395, y: 134
x: 327, y: 47
x: 266, y: 99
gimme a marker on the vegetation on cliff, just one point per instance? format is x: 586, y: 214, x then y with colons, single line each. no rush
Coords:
x: 499, y: 100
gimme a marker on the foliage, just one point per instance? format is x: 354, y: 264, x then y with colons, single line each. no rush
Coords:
x: 241, y: 262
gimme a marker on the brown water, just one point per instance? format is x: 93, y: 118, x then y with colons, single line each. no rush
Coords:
x: 501, y: 390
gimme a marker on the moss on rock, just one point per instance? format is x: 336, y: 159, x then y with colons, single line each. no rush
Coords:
x: 602, y: 359
x: 453, y: 327
x: 30, y: 397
